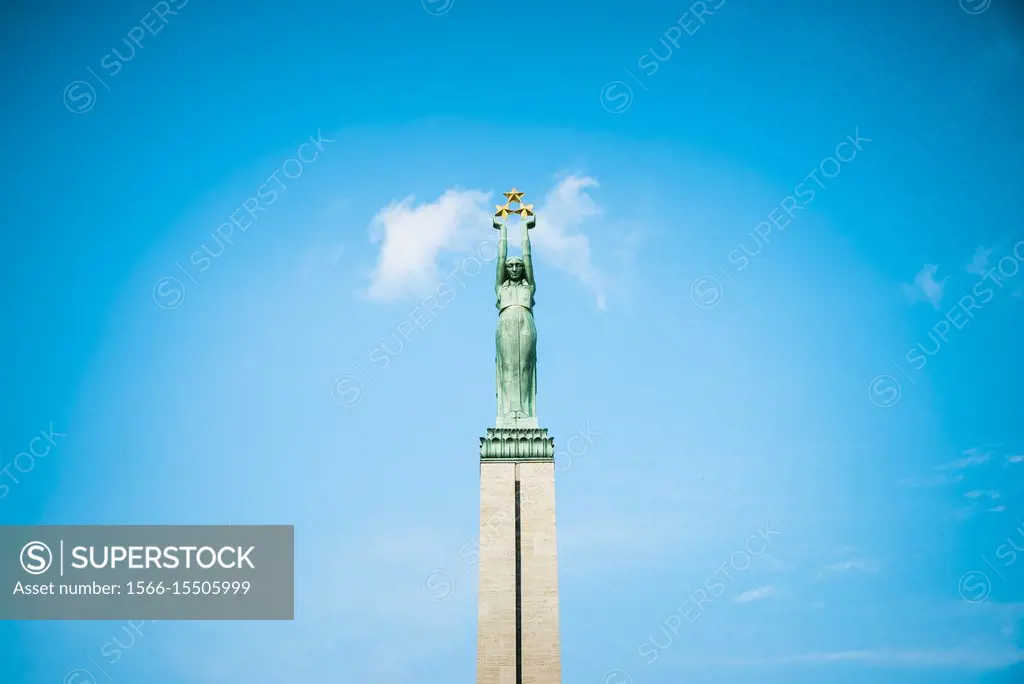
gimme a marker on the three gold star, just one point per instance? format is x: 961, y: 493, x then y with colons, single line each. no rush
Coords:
x: 513, y: 196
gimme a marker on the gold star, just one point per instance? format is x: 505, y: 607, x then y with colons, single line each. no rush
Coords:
x: 502, y: 210
x: 513, y: 195
x: 527, y: 210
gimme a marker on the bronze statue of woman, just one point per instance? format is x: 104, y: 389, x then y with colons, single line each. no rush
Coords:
x: 516, y: 337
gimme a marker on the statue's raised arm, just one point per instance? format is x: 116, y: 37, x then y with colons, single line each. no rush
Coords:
x: 527, y: 258
x: 502, y: 253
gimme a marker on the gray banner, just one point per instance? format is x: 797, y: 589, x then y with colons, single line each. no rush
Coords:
x: 143, y: 572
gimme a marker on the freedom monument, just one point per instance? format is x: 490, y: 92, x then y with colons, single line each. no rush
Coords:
x: 517, y: 626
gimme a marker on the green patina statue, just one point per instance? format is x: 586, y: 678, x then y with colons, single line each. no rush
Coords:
x: 516, y: 338
x: 517, y: 435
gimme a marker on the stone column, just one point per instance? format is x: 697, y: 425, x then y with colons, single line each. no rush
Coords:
x: 517, y: 630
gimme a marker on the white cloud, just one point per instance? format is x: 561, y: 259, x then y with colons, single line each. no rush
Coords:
x: 413, y: 236
x: 979, y: 266
x: 985, y: 497
x: 851, y: 565
x: 976, y: 660
x: 755, y: 594
x: 979, y: 262
x: 558, y: 238
x: 926, y: 288
x: 953, y: 471
x: 970, y: 457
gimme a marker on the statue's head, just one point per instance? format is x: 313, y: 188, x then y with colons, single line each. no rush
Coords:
x: 515, y: 269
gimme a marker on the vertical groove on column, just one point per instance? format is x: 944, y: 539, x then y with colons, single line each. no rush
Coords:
x: 519, y: 588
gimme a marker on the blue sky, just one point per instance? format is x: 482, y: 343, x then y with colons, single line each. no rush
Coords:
x: 732, y: 353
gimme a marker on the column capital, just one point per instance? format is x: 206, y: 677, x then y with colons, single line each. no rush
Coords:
x: 517, y: 444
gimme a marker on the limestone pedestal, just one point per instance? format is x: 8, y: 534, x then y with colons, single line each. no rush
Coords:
x: 517, y: 628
